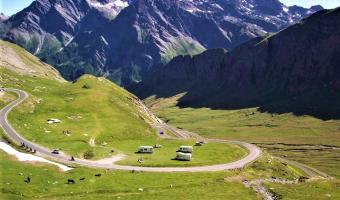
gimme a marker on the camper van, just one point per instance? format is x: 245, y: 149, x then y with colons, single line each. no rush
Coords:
x: 145, y: 149
x: 185, y: 149
x: 183, y: 156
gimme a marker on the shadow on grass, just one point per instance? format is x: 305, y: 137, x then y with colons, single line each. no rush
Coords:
x: 322, y: 103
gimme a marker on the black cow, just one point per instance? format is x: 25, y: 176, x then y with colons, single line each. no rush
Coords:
x: 70, y: 181
x: 28, y: 180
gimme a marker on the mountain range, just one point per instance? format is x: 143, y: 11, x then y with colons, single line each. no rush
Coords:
x: 296, y: 70
x: 126, y: 40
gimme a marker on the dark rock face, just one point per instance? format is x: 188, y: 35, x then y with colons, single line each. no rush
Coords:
x: 296, y: 70
x: 85, y: 36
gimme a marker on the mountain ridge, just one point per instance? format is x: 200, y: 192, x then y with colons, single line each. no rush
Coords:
x: 295, y: 68
x: 150, y: 33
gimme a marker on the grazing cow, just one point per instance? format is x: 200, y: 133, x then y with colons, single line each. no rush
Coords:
x: 70, y: 181
x: 28, y: 180
x: 98, y: 175
x: 82, y: 179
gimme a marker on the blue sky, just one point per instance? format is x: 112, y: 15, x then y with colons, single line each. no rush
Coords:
x: 308, y: 3
x: 10, y: 7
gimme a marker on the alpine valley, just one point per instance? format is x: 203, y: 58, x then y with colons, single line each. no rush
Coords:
x: 169, y: 99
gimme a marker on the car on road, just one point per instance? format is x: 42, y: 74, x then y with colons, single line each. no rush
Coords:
x: 55, y: 151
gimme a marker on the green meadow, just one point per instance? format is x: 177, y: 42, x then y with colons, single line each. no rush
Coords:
x: 286, y: 135
x: 317, y: 189
x: 98, y: 118
x: 208, y: 154
x: 49, y: 183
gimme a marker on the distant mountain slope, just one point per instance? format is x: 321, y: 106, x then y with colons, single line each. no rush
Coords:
x: 16, y: 59
x: 296, y: 70
x: 79, y: 36
x: 46, y: 26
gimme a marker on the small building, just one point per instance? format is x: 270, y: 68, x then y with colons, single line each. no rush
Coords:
x: 145, y: 149
x: 185, y: 149
x: 183, y: 156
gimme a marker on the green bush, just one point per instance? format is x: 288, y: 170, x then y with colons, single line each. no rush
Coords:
x: 88, y: 155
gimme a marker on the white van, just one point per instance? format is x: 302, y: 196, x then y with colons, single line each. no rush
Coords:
x: 183, y: 156
x: 145, y: 149
x: 185, y: 149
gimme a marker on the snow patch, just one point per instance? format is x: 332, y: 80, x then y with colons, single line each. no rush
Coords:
x: 285, y: 9
x: 29, y: 157
x: 104, y: 40
x: 110, y: 5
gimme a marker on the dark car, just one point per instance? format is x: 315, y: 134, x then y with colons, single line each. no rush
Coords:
x: 55, y: 151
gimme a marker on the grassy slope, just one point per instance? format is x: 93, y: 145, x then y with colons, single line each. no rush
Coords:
x: 104, y: 114
x: 315, y: 190
x: 103, y: 119
x: 208, y: 154
x: 78, y: 109
x: 21, y: 61
x: 47, y: 183
x: 249, y: 124
x: 6, y: 98
x: 253, y: 126
x: 181, y: 46
x: 323, y: 158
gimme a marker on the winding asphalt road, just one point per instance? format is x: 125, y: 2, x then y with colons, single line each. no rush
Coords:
x: 253, y: 151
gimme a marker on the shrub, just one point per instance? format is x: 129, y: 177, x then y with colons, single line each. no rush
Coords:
x: 88, y: 154
x: 86, y: 86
